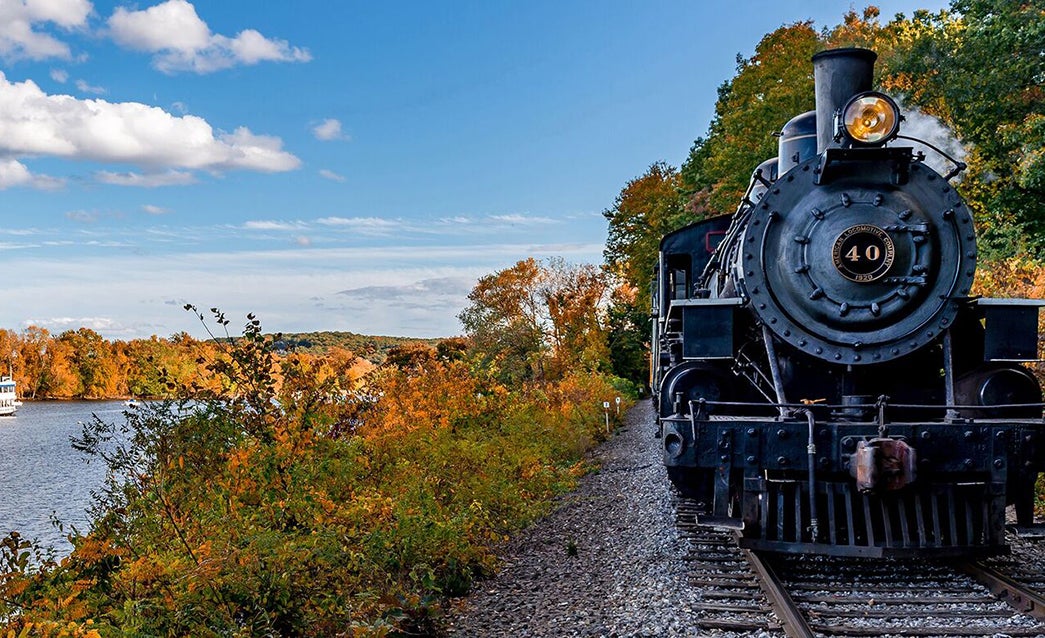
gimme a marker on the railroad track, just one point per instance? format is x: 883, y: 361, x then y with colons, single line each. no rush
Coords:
x: 746, y: 592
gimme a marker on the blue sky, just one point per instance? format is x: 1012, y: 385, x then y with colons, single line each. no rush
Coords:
x: 335, y: 165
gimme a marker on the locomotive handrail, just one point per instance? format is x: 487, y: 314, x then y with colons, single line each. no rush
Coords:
x: 959, y: 166
x: 906, y: 406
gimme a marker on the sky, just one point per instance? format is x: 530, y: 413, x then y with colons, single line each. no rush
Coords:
x: 335, y: 165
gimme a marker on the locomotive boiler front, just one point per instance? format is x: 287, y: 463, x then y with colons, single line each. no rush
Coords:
x: 858, y: 272
x: 861, y: 254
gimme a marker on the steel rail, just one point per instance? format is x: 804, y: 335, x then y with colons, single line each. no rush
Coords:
x: 794, y: 623
x: 1016, y: 595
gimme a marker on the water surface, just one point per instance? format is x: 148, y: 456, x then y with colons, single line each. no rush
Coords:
x: 42, y: 475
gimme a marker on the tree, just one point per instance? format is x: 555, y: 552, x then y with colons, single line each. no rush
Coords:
x: 983, y: 73
x: 646, y: 208
x: 537, y: 321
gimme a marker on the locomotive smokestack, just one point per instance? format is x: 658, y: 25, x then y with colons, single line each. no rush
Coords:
x: 838, y: 74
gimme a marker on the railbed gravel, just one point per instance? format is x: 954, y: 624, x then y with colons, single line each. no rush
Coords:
x: 606, y: 562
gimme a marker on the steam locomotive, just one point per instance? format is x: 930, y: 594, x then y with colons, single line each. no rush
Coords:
x: 823, y: 377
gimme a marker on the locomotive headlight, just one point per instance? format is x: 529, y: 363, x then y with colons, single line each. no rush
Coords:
x: 871, y: 118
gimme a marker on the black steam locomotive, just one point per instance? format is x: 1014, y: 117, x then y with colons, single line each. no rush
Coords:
x: 824, y: 379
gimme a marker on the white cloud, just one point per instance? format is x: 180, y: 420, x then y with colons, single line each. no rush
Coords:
x: 15, y: 173
x: 302, y: 240
x: 152, y: 209
x: 84, y: 87
x: 522, y: 219
x: 272, y: 225
x: 148, y: 180
x: 34, y: 123
x: 82, y: 216
x: 329, y: 130
x: 331, y: 175
x: 19, y: 37
x: 60, y: 76
x: 181, y: 41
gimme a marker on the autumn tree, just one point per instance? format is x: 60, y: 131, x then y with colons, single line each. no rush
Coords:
x: 537, y: 321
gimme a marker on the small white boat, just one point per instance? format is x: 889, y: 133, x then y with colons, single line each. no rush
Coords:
x: 8, y: 397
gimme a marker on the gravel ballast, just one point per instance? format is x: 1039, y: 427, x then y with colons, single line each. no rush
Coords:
x: 608, y: 561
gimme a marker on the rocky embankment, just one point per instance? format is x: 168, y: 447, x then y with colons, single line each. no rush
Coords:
x: 607, y: 562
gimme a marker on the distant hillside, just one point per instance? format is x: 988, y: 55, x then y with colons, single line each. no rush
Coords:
x: 370, y: 347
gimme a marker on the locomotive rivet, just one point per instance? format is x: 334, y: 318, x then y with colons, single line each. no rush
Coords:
x: 838, y: 356
x: 761, y: 306
x: 878, y: 199
x: 824, y: 434
x: 755, y: 290
x: 772, y: 320
x: 905, y: 214
x: 970, y: 237
x: 804, y: 268
x: 876, y: 309
x: 749, y: 256
x: 848, y: 443
x: 750, y: 240
x: 750, y: 458
x: 877, y: 356
x: 971, y: 254
x: 750, y: 273
x: 802, y: 342
x: 949, y: 213
x: 817, y: 293
x: 896, y: 351
x: 924, y: 460
x: 800, y: 239
x: 945, y: 189
x: 781, y: 433
x: 816, y: 212
x: 929, y: 334
x: 932, y: 177
x: 969, y: 434
x: 756, y: 222
x: 787, y: 333
x: 1029, y: 438
x: 846, y: 200
x: 781, y: 460
x: 752, y: 431
x: 776, y: 191
x: 725, y: 458
x: 998, y: 463
x: 765, y: 206
x: 773, y: 215
x: 944, y: 321
x: 967, y: 463
x: 824, y: 462
x: 820, y: 350
x: 926, y: 435
x: 1000, y: 435
x: 843, y: 309
x: 918, y: 239
x: 914, y: 344
x: 970, y: 273
x: 857, y: 357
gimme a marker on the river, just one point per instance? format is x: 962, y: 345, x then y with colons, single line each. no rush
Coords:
x: 42, y: 474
